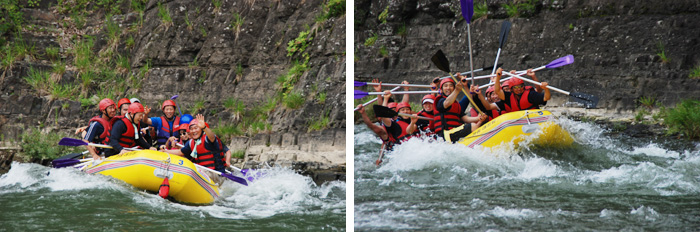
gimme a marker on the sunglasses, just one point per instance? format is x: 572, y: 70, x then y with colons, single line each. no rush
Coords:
x: 517, y: 87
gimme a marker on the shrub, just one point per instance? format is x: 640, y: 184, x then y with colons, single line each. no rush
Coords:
x: 44, y: 146
x: 382, y: 16
x: 239, y: 154
x: 164, y: 14
x: 332, y: 9
x: 685, y: 118
x: 480, y: 10
x: 294, y: 100
x: 695, y: 72
x: 371, y: 40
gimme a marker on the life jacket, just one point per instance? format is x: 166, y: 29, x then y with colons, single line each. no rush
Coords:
x: 492, y: 114
x: 403, y: 136
x: 521, y: 103
x: 107, y: 125
x: 211, y: 159
x: 449, y: 119
x: 428, y: 128
x: 165, y: 131
x: 128, y: 138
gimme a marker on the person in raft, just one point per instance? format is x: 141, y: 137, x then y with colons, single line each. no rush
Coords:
x: 166, y: 125
x: 204, y: 147
x: 99, y: 127
x: 521, y: 97
x: 449, y: 113
x: 125, y: 132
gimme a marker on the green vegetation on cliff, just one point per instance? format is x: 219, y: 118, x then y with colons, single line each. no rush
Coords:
x: 684, y: 118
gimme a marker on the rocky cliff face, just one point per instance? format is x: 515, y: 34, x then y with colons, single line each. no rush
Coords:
x: 208, y: 53
x: 617, y: 45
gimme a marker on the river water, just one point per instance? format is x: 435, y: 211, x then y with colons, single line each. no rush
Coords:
x: 70, y: 200
x: 604, y: 181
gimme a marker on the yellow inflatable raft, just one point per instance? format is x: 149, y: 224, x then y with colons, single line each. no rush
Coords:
x: 146, y: 170
x: 515, y: 127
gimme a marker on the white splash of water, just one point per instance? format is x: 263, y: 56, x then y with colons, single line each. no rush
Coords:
x: 653, y: 149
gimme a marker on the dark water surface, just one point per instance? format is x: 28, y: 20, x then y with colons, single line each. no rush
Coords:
x: 603, y: 182
x: 67, y: 199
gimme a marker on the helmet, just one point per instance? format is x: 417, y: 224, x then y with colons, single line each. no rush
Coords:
x: 195, y: 122
x: 428, y: 98
x: 490, y: 89
x: 133, y: 100
x: 506, y: 83
x: 122, y: 102
x: 445, y: 81
x: 184, y: 126
x: 104, y: 103
x: 135, y: 108
x: 391, y: 105
x: 168, y: 103
x: 185, y: 118
x: 403, y: 105
x: 516, y: 81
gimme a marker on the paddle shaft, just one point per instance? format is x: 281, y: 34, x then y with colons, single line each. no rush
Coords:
x: 471, y: 62
x: 465, y: 73
x: 403, y: 92
x: 400, y: 85
x: 467, y: 94
x: 419, y: 117
x: 375, y: 99
x: 537, y: 83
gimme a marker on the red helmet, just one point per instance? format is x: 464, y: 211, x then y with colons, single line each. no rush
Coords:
x: 135, y: 108
x: 104, y: 103
x: 506, y: 83
x: 391, y: 105
x: 428, y: 98
x: 168, y: 103
x: 184, y: 126
x: 195, y: 122
x: 516, y: 81
x: 445, y: 81
x: 122, y: 102
x: 490, y: 89
x: 402, y: 105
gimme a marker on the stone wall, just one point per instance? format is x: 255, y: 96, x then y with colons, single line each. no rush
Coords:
x: 259, y: 47
x: 615, y: 45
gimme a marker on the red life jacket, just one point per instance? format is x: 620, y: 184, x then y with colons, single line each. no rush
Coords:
x: 402, y: 137
x: 107, y: 125
x: 210, y: 159
x: 447, y: 120
x: 427, y: 114
x: 492, y: 114
x: 128, y: 138
x: 520, y: 103
x: 165, y: 131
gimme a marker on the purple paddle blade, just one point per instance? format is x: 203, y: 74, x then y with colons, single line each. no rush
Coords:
x: 567, y: 60
x: 64, y: 163
x: 360, y: 83
x: 467, y: 9
x: 174, y: 97
x: 360, y: 94
x: 235, y: 178
x: 72, y: 142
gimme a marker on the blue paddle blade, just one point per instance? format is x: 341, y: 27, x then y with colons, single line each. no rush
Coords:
x: 567, y: 60
x: 360, y: 94
x: 360, y: 83
x: 174, y: 97
x: 235, y: 178
x: 61, y: 163
x: 252, y: 175
x: 467, y: 9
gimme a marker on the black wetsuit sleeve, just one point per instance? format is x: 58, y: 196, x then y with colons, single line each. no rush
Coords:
x: 536, y: 98
x: 94, y: 132
x: 117, y: 130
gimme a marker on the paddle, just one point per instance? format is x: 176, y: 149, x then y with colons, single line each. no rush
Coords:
x: 359, y: 83
x: 173, y: 98
x: 381, y: 155
x: 590, y: 101
x: 375, y: 99
x: 385, y: 112
x: 77, y: 142
x: 467, y: 13
x: 440, y: 60
x: 505, y: 28
x: 476, y: 70
x: 360, y: 94
x: 242, y: 171
x: 227, y: 175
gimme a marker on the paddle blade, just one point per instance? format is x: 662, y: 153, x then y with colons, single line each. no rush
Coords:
x: 467, y: 9
x: 72, y: 142
x: 567, y: 60
x: 62, y: 163
x: 384, y: 112
x: 360, y: 94
x: 174, y: 97
x: 360, y: 83
x: 505, y: 29
x: 164, y: 189
x: 440, y: 60
x: 235, y: 178
x: 590, y: 101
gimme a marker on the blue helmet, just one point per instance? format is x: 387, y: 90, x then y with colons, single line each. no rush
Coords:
x: 185, y: 118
